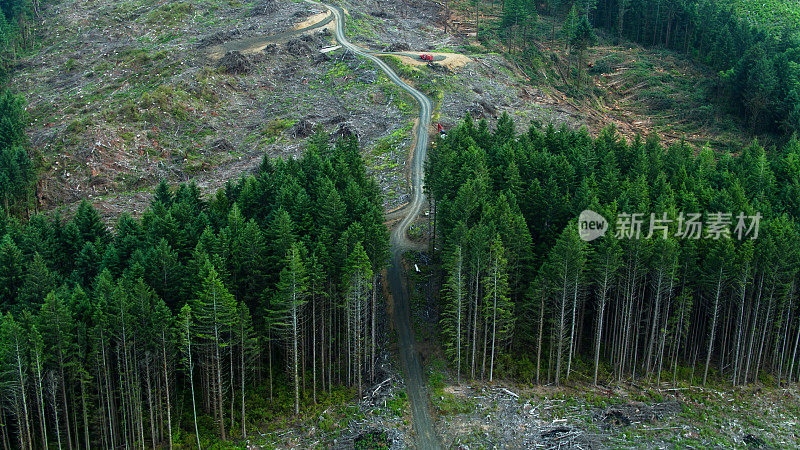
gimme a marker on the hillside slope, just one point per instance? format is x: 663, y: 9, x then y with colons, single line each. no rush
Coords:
x: 124, y: 94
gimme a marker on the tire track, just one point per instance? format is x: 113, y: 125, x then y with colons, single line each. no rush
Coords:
x: 415, y: 382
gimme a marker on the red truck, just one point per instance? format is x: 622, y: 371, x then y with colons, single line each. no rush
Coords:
x: 426, y: 57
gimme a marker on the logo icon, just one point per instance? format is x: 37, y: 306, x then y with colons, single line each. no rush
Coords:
x: 591, y: 225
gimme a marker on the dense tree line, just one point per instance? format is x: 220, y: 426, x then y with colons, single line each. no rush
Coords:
x: 519, y: 280
x: 758, y: 74
x: 17, y: 172
x: 179, y: 323
x: 758, y: 70
x: 17, y: 18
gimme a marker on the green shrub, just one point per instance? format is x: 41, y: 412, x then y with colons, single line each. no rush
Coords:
x: 169, y: 14
x: 78, y: 126
x: 397, y: 404
x: 128, y: 112
x: 275, y: 127
x: 449, y: 404
x: 606, y: 64
x: 372, y: 440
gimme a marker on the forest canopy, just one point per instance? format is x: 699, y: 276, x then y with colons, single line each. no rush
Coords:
x: 272, y: 277
x: 17, y: 173
x: 759, y: 71
x: 757, y: 68
x: 519, y: 280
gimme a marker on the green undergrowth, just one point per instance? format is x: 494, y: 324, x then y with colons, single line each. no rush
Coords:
x: 446, y: 403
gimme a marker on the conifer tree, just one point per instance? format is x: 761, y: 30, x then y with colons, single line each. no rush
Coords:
x: 357, y: 288
x: 604, y: 264
x: 454, y: 293
x: 581, y: 39
x: 248, y: 346
x: 292, y: 292
x: 13, y: 354
x: 185, y: 325
x: 498, y: 308
x: 214, y: 313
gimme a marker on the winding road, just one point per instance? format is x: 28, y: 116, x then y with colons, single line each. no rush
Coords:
x: 415, y: 382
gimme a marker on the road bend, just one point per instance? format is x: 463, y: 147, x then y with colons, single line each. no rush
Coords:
x: 415, y: 382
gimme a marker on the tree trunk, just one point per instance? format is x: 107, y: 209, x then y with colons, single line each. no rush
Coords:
x: 21, y: 378
x: 794, y: 353
x: 294, y: 356
x: 539, y: 345
x: 372, y: 329
x: 600, y: 315
x: 242, y: 353
x: 494, y: 322
x: 313, y: 348
x: 166, y: 387
x: 459, y: 307
x: 561, y: 324
x: 713, y: 325
x: 742, y: 296
x: 149, y: 403
x: 218, y: 369
x: 191, y: 382
x: 475, y: 320
x: 64, y: 397
x: 572, y: 328
x: 764, y: 333
x: 53, y: 385
x: 40, y: 397
x: 83, y: 382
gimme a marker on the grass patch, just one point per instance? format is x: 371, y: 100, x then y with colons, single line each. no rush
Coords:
x: 397, y: 404
x: 446, y: 403
x: 359, y: 26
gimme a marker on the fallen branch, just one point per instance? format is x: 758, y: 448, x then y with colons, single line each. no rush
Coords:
x: 380, y: 386
x: 661, y: 428
x: 509, y: 392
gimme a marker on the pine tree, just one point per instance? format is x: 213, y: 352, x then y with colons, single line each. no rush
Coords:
x: 214, y: 312
x: 13, y: 355
x: 164, y: 272
x: 581, y: 39
x: 38, y: 281
x: 162, y: 195
x: 90, y: 225
x: 357, y: 287
x: 11, y: 272
x: 498, y: 308
x: 454, y: 293
x: 185, y: 325
x: 605, y: 263
x: 292, y: 291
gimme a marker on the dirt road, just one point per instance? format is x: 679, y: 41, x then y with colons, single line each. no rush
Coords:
x: 415, y: 382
